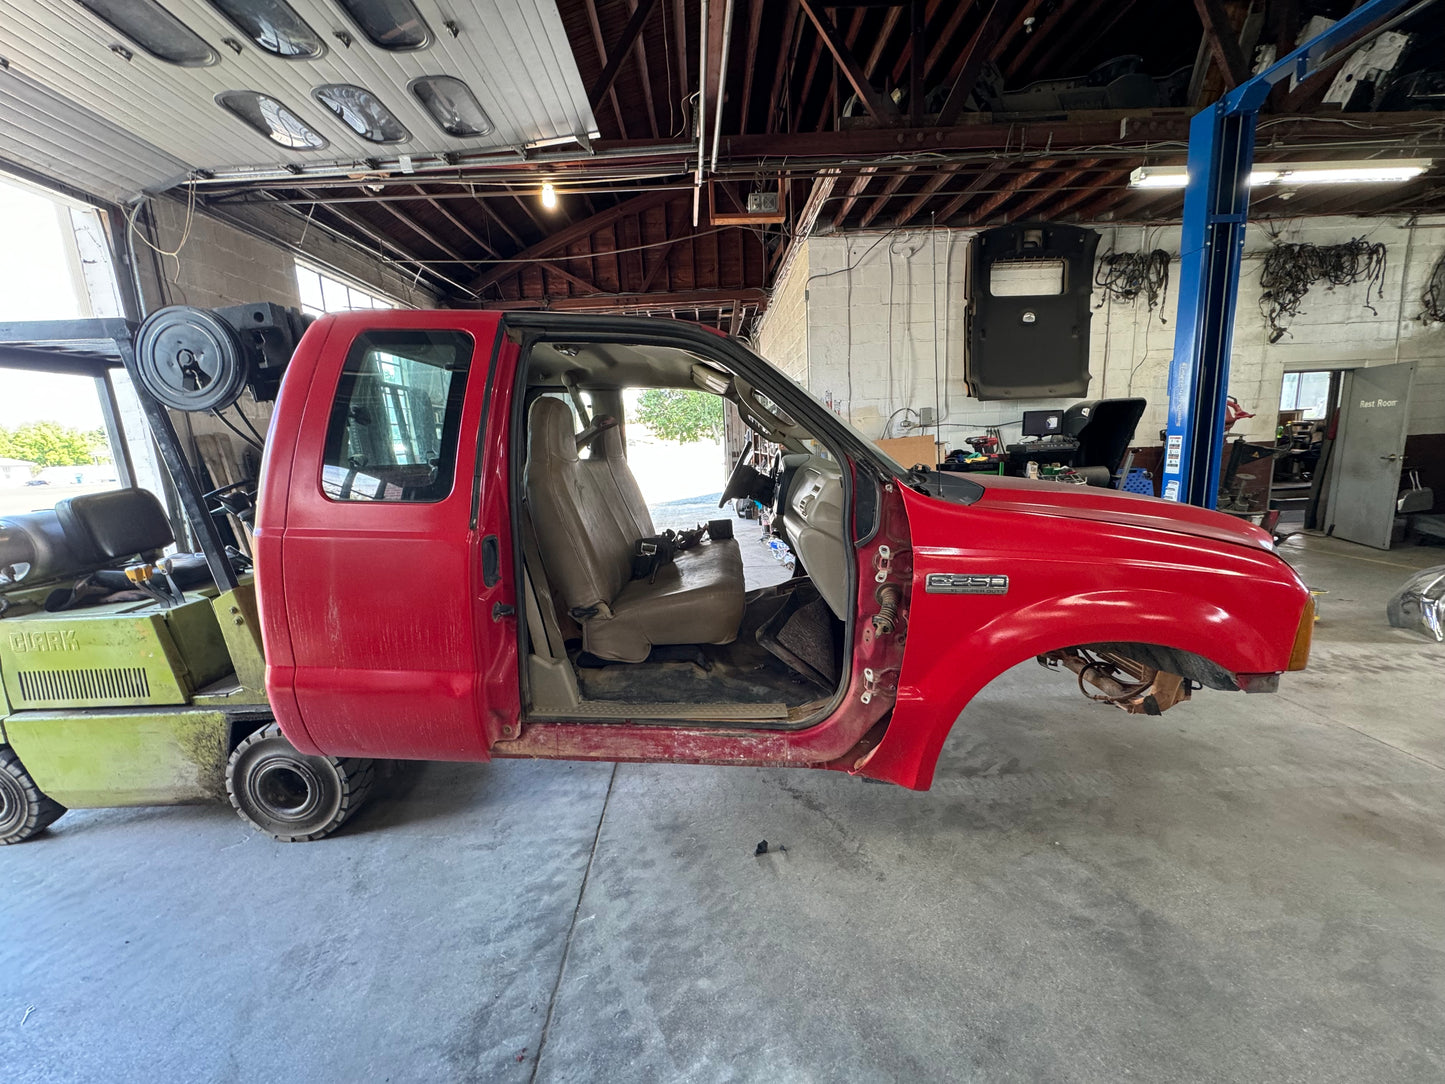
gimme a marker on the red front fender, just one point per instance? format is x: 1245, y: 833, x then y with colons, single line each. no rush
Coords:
x: 1069, y: 583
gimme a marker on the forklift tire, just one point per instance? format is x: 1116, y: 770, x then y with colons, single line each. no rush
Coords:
x: 293, y: 797
x: 24, y: 810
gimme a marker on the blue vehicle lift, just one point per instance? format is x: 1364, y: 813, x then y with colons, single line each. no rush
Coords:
x: 1216, y: 207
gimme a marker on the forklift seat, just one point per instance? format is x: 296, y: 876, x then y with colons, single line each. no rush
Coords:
x: 82, y: 534
x: 104, y: 527
x: 585, y: 542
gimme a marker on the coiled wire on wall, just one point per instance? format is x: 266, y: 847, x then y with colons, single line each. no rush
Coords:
x: 1123, y: 276
x: 1433, y: 299
x: 1291, y: 269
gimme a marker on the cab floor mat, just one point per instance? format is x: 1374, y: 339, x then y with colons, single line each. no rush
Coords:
x: 739, y: 672
x: 806, y: 636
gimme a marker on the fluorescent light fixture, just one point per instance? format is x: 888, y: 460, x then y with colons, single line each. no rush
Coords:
x: 1289, y: 174
x: 549, y: 196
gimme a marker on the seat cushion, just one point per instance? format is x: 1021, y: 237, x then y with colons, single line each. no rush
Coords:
x: 697, y: 599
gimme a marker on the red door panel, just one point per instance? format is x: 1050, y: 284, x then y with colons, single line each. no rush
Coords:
x: 384, y: 597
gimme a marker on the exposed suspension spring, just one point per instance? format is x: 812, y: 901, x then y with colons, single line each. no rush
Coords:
x: 887, y: 616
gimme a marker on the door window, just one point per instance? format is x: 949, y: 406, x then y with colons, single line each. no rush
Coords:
x: 393, y: 429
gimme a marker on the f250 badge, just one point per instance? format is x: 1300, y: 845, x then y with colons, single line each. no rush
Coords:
x: 963, y: 583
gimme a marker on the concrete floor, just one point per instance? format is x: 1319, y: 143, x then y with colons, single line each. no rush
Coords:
x: 1248, y: 889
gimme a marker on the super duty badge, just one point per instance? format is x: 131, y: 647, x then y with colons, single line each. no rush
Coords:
x: 964, y: 583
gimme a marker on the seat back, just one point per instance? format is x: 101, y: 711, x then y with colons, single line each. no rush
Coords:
x: 103, y: 527
x: 584, y: 548
x: 628, y: 494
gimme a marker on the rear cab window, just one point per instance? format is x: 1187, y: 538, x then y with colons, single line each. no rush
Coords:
x: 392, y: 433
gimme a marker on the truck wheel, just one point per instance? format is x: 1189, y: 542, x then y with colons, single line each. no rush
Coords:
x: 290, y: 796
x: 24, y: 810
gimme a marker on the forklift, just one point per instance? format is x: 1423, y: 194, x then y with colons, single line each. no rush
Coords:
x: 129, y: 677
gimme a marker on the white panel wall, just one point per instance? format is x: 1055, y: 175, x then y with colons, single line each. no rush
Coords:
x: 884, y: 316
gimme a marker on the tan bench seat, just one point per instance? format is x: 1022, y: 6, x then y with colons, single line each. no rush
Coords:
x: 585, y: 534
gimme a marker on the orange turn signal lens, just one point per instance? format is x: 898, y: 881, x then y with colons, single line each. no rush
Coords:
x: 1299, y: 654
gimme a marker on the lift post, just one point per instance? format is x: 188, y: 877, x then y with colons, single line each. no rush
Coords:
x: 1216, y: 208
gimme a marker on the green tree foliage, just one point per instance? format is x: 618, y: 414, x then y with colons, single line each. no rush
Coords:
x: 51, y: 444
x: 684, y: 416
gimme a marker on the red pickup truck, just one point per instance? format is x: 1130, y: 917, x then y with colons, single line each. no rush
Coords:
x: 448, y: 533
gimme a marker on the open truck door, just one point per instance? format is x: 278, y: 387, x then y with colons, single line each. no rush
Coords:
x: 386, y: 520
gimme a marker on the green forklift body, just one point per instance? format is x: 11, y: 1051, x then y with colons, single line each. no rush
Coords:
x: 112, y: 758
x: 120, y: 655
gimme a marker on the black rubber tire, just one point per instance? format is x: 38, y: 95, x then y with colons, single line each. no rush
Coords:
x: 289, y: 795
x: 24, y: 810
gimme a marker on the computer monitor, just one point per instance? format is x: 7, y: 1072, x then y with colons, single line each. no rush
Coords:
x: 1043, y: 423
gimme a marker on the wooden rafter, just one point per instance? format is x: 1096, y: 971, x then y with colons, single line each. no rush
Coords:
x: 637, y: 9
x: 1060, y: 184
x: 924, y: 194
x: 785, y: 49
x: 548, y: 247
x: 976, y: 54
x: 979, y: 183
x: 602, y: 55
x: 856, y: 189
x: 1009, y: 191
x: 424, y: 233
x: 755, y: 28
x: 1048, y: 25
x: 880, y: 107
x: 466, y: 231
x: 1106, y: 183
x: 1223, y: 41
x: 874, y: 208
x: 940, y: 34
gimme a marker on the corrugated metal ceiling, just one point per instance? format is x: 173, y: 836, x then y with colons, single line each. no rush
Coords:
x: 514, y: 54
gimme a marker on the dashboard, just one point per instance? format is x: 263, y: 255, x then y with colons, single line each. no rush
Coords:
x: 809, y: 496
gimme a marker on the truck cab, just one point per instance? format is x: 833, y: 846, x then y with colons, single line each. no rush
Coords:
x: 453, y: 563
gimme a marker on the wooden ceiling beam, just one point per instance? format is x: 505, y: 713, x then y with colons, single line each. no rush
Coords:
x: 641, y: 46
x: 462, y: 227
x: 978, y: 52
x: 1048, y: 26
x: 981, y: 180
x: 1060, y: 183
x: 679, y: 230
x: 1106, y: 183
x: 602, y: 56
x: 924, y: 194
x: 548, y: 247
x: 879, y: 106
x: 360, y: 225
x: 424, y: 233
x: 1223, y: 41
x: 937, y: 31
x: 856, y: 189
x: 679, y: 35
x: 785, y: 52
x: 875, y: 208
x: 1009, y: 191
x: 614, y: 59
x: 630, y: 302
x: 755, y: 29
x: 828, y: 99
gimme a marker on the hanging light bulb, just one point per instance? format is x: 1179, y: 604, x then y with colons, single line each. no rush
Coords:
x: 549, y: 196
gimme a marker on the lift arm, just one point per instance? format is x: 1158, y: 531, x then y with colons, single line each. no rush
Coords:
x: 1216, y: 207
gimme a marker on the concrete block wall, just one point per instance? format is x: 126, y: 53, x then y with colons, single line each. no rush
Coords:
x: 885, y: 327
x: 783, y: 336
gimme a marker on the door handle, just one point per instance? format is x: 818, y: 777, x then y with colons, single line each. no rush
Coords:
x: 1389, y: 458
x: 491, y: 561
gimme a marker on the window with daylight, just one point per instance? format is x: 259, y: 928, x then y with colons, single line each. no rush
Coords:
x: 320, y: 294
x: 395, y: 419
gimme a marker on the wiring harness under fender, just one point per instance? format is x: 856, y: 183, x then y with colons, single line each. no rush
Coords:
x: 1124, y: 682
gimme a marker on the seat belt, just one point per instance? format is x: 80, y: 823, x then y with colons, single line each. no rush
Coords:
x: 541, y: 613
x: 569, y: 381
